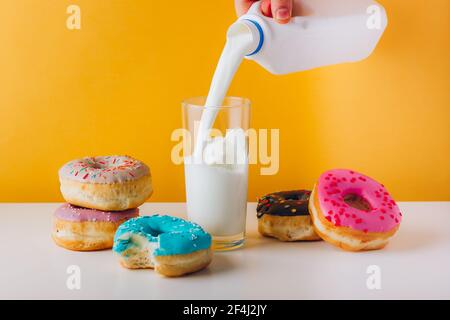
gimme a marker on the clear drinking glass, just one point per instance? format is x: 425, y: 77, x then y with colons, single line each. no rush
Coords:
x: 216, y: 168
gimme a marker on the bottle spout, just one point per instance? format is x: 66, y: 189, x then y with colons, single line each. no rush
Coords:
x: 247, y: 31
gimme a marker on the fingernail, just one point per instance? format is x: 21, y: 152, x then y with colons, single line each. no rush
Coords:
x: 282, y: 14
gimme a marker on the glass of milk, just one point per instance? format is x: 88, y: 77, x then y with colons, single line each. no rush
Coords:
x: 216, y: 168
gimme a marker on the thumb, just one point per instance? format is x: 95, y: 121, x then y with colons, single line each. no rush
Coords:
x: 281, y: 10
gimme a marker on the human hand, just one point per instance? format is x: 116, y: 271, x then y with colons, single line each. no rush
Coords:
x: 280, y: 10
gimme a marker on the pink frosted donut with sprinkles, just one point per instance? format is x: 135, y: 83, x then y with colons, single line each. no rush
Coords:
x: 352, y: 211
x: 110, y: 183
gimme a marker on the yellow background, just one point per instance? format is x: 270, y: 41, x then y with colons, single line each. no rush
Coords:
x: 115, y: 86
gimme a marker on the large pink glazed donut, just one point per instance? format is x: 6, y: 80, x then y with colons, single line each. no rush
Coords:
x: 110, y: 183
x: 353, y: 211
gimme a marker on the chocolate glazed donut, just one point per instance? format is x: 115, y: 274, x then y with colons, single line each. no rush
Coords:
x: 284, y: 215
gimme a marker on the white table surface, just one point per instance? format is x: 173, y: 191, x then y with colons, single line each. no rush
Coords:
x: 415, y: 264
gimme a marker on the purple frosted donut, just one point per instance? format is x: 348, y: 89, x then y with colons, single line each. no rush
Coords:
x: 83, y: 229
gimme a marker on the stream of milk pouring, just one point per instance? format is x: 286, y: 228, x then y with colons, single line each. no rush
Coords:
x: 240, y: 41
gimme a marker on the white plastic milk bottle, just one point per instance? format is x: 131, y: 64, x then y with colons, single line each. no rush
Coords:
x: 321, y: 33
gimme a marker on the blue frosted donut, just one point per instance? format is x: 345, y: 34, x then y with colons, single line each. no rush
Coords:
x: 171, y: 245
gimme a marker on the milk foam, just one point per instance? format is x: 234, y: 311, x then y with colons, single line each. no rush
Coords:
x: 229, y: 150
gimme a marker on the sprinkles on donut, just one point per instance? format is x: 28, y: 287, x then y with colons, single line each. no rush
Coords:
x: 110, y: 183
x: 285, y: 216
